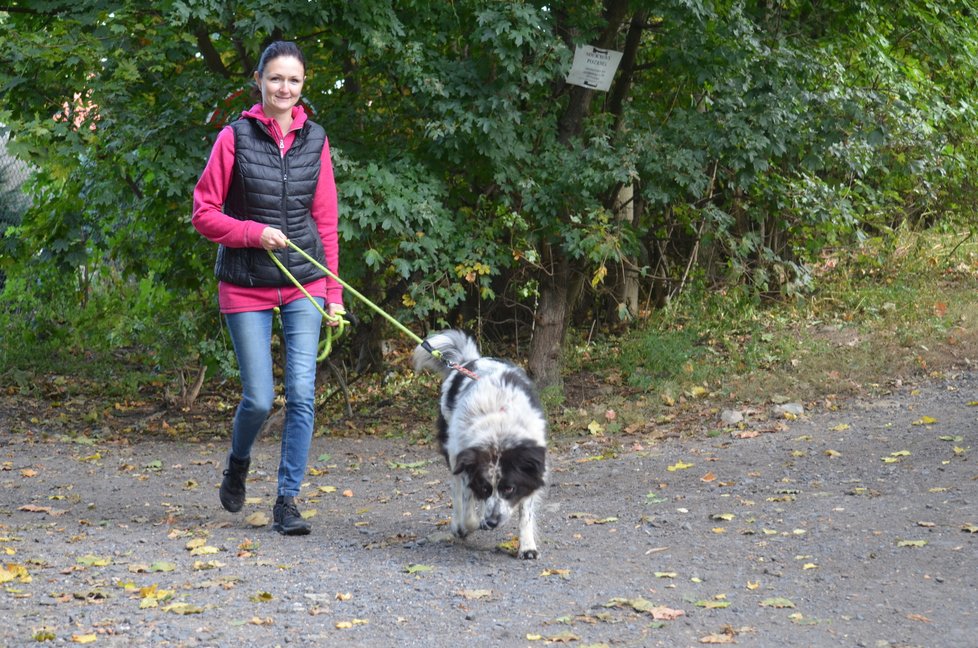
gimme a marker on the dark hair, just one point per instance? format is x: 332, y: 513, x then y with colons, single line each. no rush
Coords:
x: 274, y: 51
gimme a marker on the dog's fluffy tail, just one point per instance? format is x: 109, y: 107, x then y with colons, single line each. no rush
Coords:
x: 455, y: 347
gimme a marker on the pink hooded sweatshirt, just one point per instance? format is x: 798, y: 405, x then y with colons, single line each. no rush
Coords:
x: 211, y: 221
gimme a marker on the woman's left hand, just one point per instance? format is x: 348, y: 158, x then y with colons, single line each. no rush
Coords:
x: 335, y: 312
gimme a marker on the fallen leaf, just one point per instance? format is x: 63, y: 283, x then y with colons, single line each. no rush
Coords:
x: 84, y: 638
x: 478, y: 594
x: 712, y: 604
x: 911, y: 543
x: 708, y: 477
x: 970, y: 528
x: 555, y: 572
x: 257, y: 519
x: 714, y: 638
x: 679, y: 465
x: 925, y: 420
x: 416, y: 569
x: 777, y: 602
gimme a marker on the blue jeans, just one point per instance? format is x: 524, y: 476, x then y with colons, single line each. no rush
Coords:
x: 251, y: 334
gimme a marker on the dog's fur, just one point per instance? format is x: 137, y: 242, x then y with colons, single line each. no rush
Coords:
x: 492, y: 432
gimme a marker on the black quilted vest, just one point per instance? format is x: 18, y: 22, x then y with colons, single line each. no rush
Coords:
x: 277, y: 191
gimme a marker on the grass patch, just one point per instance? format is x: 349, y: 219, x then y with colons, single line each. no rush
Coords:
x: 884, y: 313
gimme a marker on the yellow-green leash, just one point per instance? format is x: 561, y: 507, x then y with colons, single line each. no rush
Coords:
x: 377, y: 309
x: 332, y: 332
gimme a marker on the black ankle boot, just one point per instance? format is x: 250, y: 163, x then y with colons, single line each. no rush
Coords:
x: 233, y: 485
x: 287, y: 519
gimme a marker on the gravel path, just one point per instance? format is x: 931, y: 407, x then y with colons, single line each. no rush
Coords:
x: 853, y: 527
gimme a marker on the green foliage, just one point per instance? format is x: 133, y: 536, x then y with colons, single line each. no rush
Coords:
x: 756, y: 136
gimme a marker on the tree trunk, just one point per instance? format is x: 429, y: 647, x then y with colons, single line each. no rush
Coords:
x: 559, y: 286
x: 558, y: 293
x: 627, y: 290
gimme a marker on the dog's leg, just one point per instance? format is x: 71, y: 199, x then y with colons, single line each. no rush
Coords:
x: 528, y: 531
x: 460, y: 506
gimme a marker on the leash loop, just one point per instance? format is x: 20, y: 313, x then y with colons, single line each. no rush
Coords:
x: 377, y: 309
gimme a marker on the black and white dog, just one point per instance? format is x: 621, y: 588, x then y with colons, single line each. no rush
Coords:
x: 493, y: 434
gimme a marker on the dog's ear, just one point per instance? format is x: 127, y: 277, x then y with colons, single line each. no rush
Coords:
x: 528, y: 459
x: 466, y: 461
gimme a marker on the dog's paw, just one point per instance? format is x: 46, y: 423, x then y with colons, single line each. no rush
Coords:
x: 460, y: 532
x: 529, y: 554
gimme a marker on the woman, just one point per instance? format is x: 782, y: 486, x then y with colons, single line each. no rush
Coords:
x: 269, y: 181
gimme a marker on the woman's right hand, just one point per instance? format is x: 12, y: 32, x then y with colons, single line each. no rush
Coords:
x: 273, y: 239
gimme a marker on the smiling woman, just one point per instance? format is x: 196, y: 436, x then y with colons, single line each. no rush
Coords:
x: 268, y: 183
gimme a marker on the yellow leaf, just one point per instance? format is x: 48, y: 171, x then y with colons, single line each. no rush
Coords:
x: 476, y: 594
x: 84, y: 638
x: 698, y: 392
x: 308, y: 513
x: 809, y: 566
x: 665, y: 574
x: 833, y: 453
x: 533, y: 637
x: 911, y: 543
x: 196, y: 542
x: 555, y: 572
x: 257, y: 519
x: 841, y: 427
x: 679, y: 465
x: 204, y: 551
x: 599, y: 276
x: 343, y: 625
x: 925, y: 420
x: 327, y: 489
x: 753, y: 585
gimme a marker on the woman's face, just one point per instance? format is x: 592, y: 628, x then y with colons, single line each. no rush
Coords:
x: 281, y: 84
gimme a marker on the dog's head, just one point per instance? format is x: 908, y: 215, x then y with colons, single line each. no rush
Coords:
x: 502, y: 480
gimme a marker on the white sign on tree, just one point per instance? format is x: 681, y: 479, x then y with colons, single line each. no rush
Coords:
x: 593, y: 68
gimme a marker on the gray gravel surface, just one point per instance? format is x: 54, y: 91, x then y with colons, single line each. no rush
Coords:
x: 846, y: 527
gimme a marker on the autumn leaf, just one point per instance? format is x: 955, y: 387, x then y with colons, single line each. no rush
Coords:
x: 257, y: 519
x: 970, y: 528
x: 911, y: 543
x: 84, y: 638
x: 841, y: 427
x: 93, y: 561
x: 417, y: 569
x: 563, y: 573
x: 658, y: 612
x: 679, y: 465
x: 183, y: 608
x: 474, y: 595
x: 712, y: 604
x: 726, y: 637
x: 925, y: 420
x: 261, y: 597
x: 777, y: 602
